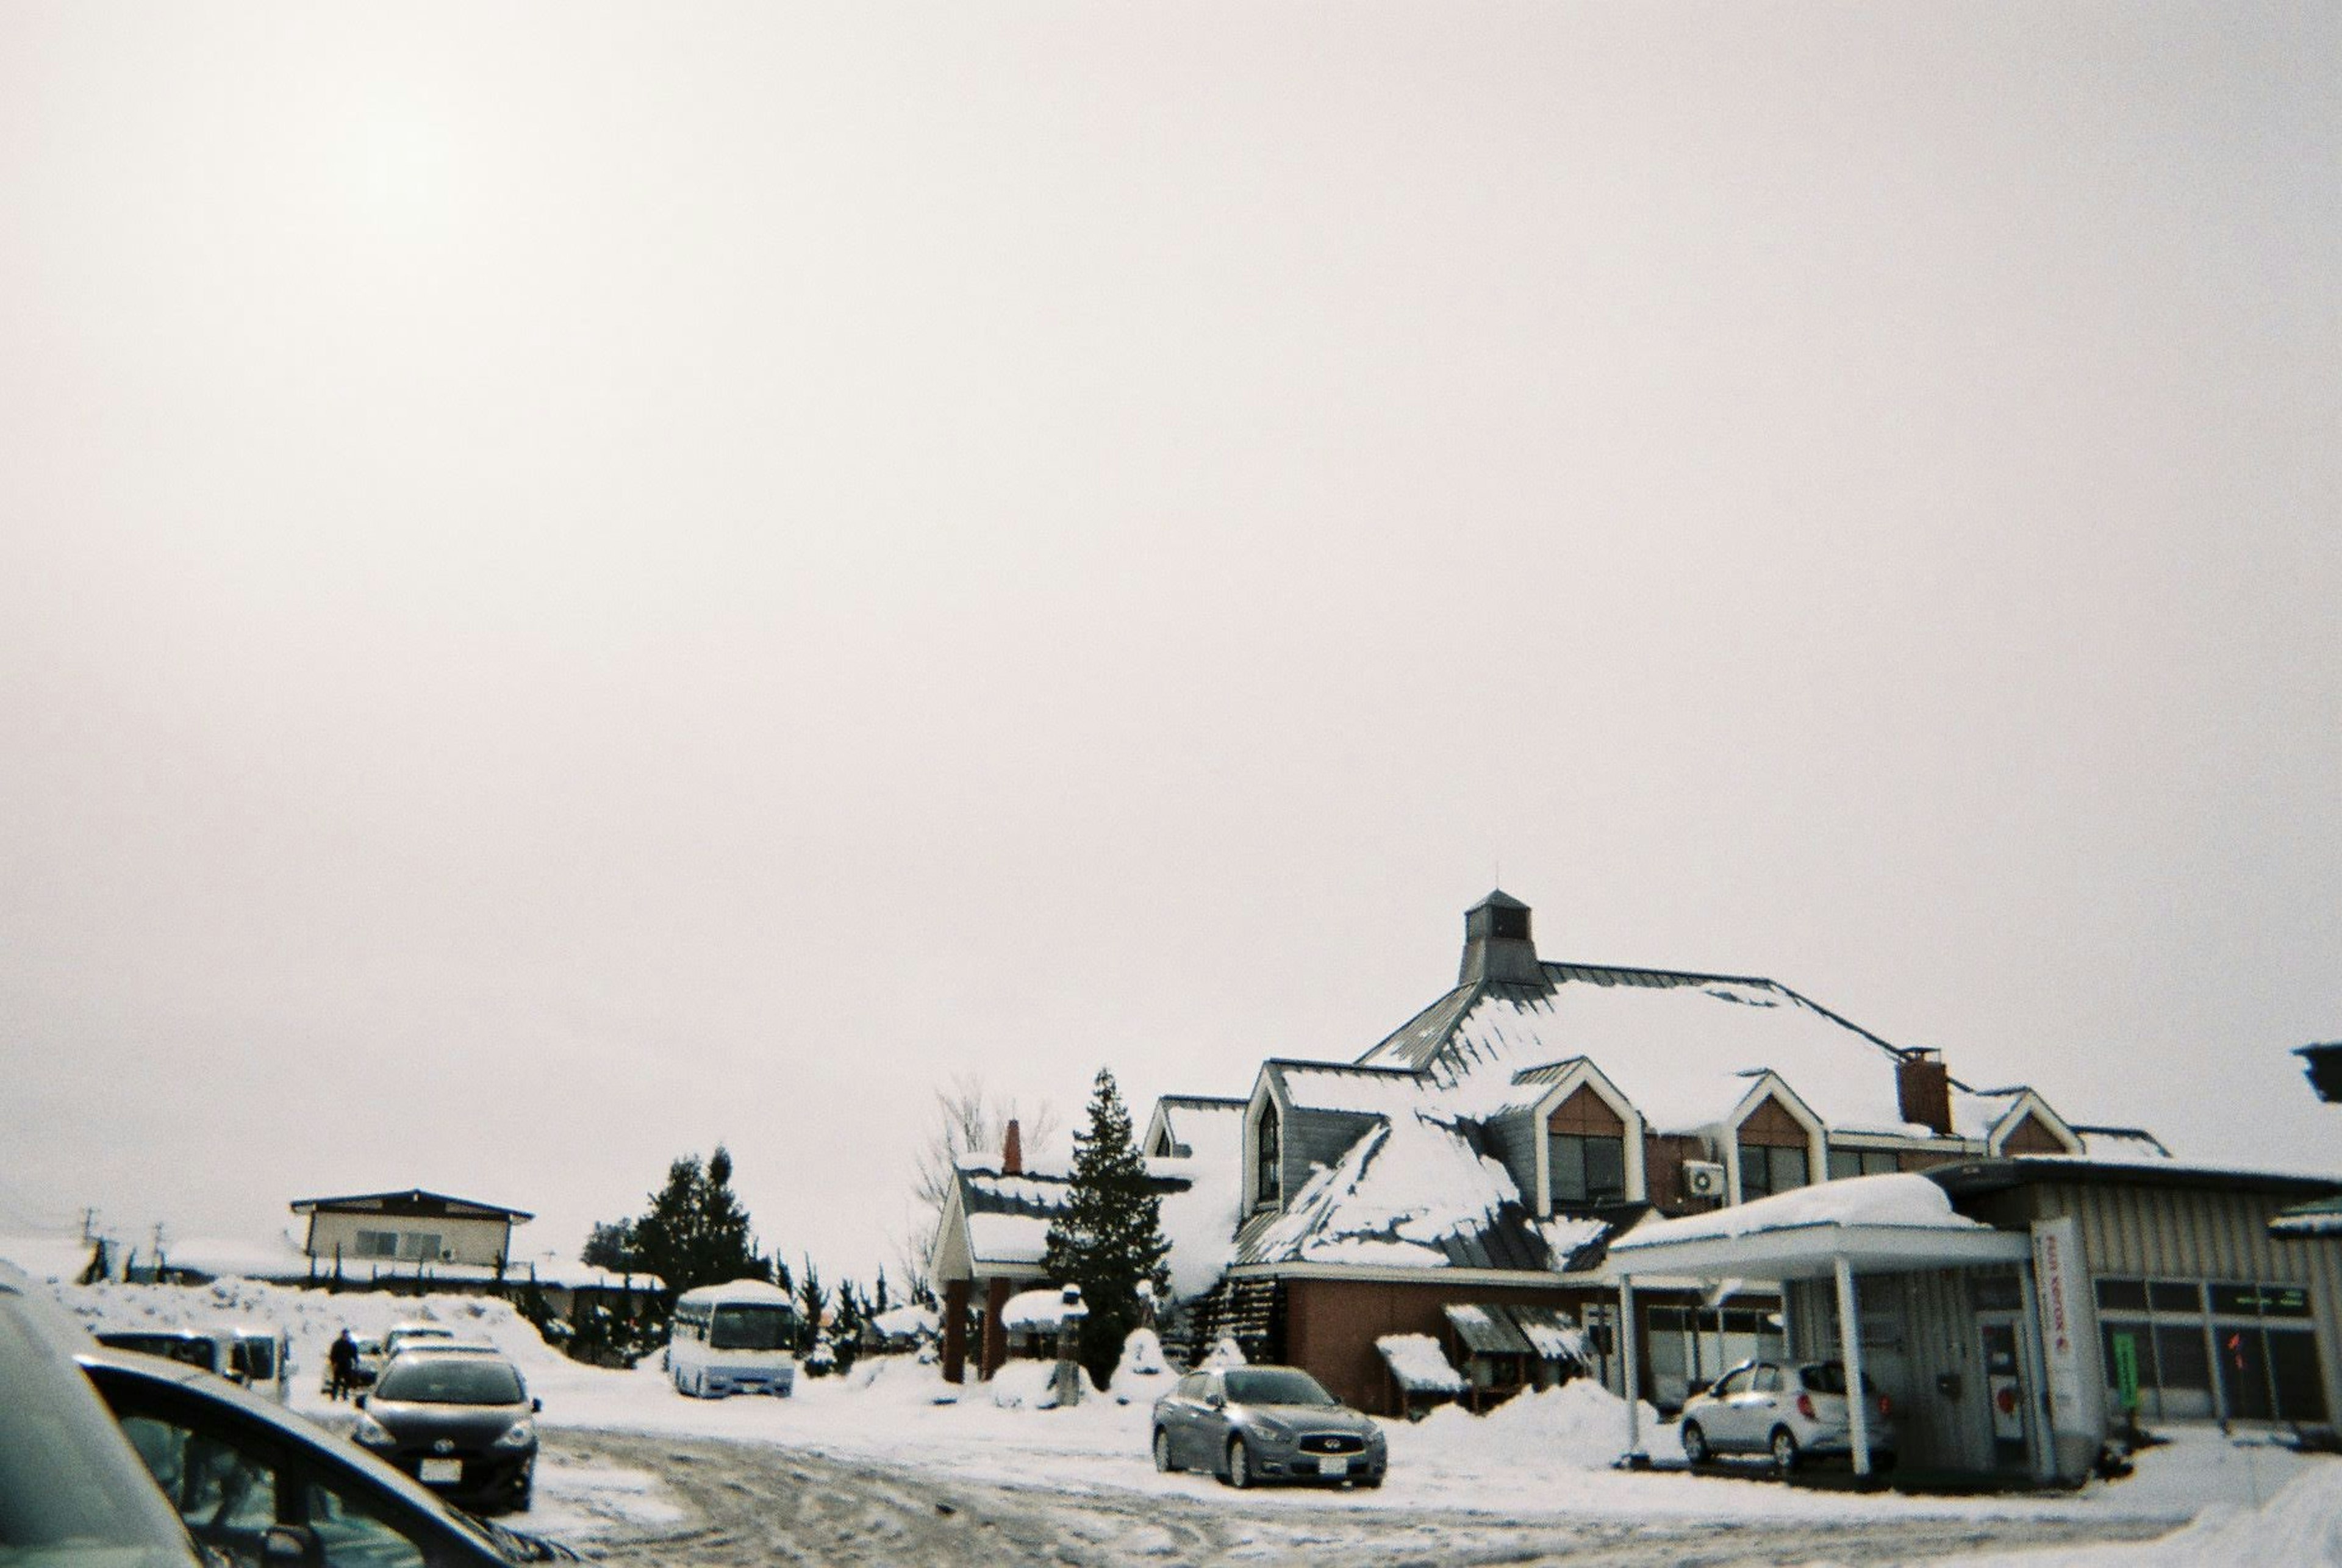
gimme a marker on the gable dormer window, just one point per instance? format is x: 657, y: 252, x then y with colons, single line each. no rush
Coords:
x: 1586, y: 1168
x: 1764, y: 1170
x: 1268, y: 1160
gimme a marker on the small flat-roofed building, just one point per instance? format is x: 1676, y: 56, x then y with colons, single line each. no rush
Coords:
x: 388, y: 1234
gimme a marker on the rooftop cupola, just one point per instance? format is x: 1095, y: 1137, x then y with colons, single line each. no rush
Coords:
x: 1496, y: 943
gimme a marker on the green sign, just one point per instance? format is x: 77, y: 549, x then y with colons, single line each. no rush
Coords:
x: 2126, y: 1347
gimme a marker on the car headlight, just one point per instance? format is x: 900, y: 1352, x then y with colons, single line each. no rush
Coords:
x: 374, y: 1433
x: 1272, y: 1431
x: 519, y: 1435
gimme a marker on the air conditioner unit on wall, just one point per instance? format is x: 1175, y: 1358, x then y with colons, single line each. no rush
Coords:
x: 1702, y: 1179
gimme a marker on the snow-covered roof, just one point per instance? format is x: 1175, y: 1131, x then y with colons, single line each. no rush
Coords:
x: 1351, y: 1090
x: 1903, y: 1199
x: 411, y: 1201
x: 1426, y: 1120
x: 906, y: 1322
x: 1682, y: 1048
x: 2322, y: 1218
x: 2121, y: 1143
x: 1041, y: 1309
x: 1484, y: 1331
x: 1897, y: 1222
x: 1417, y: 1362
x: 1413, y: 1192
x: 1008, y: 1238
x: 1195, y: 1120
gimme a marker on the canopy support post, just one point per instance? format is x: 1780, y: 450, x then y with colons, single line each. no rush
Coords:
x: 1634, y: 1458
x: 1849, y: 1341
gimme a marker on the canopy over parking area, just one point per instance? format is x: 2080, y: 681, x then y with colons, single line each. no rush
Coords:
x: 1864, y: 1224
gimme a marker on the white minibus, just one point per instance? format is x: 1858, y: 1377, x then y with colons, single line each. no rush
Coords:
x: 735, y: 1338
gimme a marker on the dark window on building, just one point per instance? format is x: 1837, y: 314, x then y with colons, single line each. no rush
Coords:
x: 1267, y: 1169
x: 2173, y: 1297
x: 1767, y: 1171
x: 2295, y: 1373
x: 1845, y: 1163
x: 2237, y: 1351
x: 2181, y: 1360
x: 1585, y: 1168
x: 1512, y: 924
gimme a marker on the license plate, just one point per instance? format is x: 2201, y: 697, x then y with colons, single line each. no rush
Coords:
x: 1332, y: 1466
x: 442, y: 1470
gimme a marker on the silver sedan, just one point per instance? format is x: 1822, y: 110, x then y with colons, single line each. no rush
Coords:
x: 1253, y: 1423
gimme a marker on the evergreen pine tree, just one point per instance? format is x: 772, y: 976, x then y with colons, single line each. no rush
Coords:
x: 813, y: 1302
x: 1109, y: 1237
x: 695, y: 1233
x: 846, y: 1330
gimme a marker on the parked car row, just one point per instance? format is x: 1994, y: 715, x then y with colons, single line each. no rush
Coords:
x: 260, y: 1359
x: 172, y: 1466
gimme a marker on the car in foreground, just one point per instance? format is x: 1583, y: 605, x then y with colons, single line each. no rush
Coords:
x: 1248, y: 1425
x: 73, y: 1493
x: 1787, y: 1409
x: 254, y: 1482
x: 458, y: 1418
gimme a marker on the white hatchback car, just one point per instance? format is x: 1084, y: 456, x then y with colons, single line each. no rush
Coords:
x: 1785, y: 1410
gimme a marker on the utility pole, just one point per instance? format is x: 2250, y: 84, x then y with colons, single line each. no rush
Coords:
x: 89, y: 1225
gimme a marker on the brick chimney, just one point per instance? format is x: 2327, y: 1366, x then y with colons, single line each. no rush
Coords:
x: 1923, y: 1091
x: 1011, y: 1153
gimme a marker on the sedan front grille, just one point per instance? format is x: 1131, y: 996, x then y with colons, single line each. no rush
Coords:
x: 1333, y: 1443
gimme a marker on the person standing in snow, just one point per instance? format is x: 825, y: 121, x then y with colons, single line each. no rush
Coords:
x: 342, y: 1359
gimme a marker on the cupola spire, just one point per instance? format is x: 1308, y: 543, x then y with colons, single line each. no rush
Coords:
x: 1497, y: 944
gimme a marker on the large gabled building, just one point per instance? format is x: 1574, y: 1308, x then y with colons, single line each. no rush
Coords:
x: 1484, y: 1152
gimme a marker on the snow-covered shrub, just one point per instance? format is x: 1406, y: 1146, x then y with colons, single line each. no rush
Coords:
x: 1225, y: 1352
x: 1025, y: 1385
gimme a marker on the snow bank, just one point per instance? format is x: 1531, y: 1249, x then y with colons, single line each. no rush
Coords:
x: 2301, y: 1525
x: 1025, y: 1385
x: 1225, y: 1353
x: 1581, y: 1425
x: 312, y: 1318
x: 1142, y: 1373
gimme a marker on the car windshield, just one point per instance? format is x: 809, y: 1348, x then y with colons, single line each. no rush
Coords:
x: 1829, y: 1377
x: 749, y: 1328
x: 1275, y: 1385
x: 180, y: 1347
x: 450, y: 1379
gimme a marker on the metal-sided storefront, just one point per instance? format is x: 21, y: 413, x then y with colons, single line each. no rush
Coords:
x: 2200, y: 1313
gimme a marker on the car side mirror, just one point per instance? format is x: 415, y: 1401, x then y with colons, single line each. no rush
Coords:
x: 1216, y: 1401
x: 535, y: 1405
x: 292, y: 1544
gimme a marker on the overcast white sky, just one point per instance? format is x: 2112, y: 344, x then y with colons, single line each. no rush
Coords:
x: 578, y: 582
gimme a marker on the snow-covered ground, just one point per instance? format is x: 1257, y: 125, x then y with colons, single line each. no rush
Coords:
x: 1548, y: 1453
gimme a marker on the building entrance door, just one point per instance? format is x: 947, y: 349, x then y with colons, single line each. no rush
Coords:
x: 2000, y: 1340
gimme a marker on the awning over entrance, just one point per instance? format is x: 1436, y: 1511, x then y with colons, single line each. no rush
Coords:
x: 1812, y: 1250
x: 1864, y: 1224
